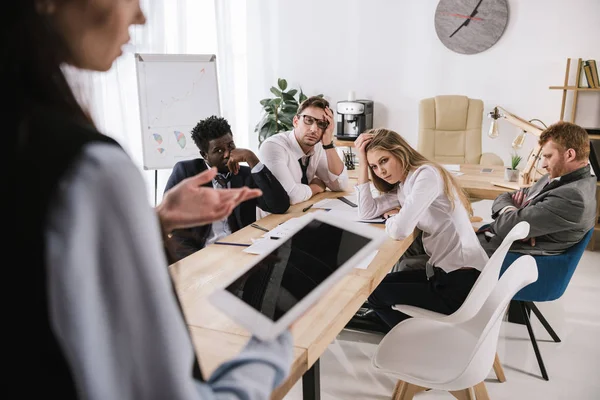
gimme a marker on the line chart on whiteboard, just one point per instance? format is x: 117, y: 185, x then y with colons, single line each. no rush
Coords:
x: 167, y: 115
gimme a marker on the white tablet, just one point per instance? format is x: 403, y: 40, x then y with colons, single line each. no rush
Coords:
x: 276, y: 288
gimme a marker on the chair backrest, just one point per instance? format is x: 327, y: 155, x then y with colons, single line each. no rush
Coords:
x: 488, y: 278
x: 555, y: 272
x: 485, y: 325
x: 450, y: 129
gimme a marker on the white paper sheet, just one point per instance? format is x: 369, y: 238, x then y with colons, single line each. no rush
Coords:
x: 452, y: 167
x: 260, y: 246
x: 336, y: 204
x: 352, y: 215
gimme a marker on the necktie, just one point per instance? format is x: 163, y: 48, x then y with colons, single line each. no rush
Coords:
x: 304, y: 180
x: 222, y: 179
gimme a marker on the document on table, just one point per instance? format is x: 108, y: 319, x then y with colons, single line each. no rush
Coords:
x: 345, y: 211
x: 337, y: 204
x: 454, y: 169
x: 352, y: 215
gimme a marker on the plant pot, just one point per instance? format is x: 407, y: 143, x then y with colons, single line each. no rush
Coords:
x: 511, y: 175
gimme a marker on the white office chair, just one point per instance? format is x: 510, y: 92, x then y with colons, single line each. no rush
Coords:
x: 479, y: 293
x: 431, y: 354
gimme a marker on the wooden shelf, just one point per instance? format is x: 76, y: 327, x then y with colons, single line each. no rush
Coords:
x: 577, y: 89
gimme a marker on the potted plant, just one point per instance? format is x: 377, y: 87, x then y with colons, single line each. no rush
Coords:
x: 512, y: 174
x: 279, y: 111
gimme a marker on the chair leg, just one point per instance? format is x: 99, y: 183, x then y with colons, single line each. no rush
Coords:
x: 543, y: 320
x: 481, y: 392
x: 465, y: 394
x: 406, y: 391
x: 533, y: 341
x: 498, y: 369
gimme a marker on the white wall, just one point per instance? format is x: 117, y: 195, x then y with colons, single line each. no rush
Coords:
x: 388, y: 51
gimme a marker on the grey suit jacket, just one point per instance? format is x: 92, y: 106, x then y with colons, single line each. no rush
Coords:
x: 559, y: 214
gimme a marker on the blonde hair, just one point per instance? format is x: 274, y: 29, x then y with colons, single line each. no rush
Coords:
x: 410, y: 159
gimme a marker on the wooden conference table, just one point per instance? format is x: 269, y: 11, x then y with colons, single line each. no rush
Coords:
x: 217, y: 338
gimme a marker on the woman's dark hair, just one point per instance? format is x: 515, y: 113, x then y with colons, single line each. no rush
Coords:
x: 33, y: 53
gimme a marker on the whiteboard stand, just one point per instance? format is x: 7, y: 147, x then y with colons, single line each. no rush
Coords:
x: 175, y: 91
x: 155, y: 187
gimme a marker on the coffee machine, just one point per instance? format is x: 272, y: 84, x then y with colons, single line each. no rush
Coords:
x: 353, y: 118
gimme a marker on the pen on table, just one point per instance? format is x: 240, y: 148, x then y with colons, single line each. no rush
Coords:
x: 259, y: 227
x: 274, y: 237
x: 233, y: 244
x: 305, y: 209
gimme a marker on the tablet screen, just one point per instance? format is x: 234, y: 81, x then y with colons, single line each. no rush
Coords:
x: 289, y: 273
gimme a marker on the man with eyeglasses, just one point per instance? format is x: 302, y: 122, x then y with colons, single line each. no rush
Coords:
x: 214, y: 139
x: 304, y: 160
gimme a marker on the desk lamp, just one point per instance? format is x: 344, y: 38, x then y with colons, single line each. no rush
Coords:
x: 527, y: 175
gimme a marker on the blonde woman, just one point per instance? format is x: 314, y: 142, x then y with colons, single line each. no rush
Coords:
x: 418, y: 193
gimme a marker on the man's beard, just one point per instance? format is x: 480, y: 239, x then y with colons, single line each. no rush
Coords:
x: 559, y: 169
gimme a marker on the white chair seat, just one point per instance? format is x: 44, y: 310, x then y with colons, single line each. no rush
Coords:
x: 413, y: 351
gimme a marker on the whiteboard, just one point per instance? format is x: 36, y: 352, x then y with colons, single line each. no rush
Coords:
x: 175, y: 92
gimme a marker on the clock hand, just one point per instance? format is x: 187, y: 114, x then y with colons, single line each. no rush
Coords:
x: 475, y: 9
x: 458, y: 29
x: 473, y: 13
x: 470, y: 17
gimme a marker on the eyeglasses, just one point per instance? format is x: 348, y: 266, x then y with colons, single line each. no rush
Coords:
x: 309, y: 120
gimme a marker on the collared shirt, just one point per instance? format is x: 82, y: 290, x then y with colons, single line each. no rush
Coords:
x: 221, y: 229
x: 448, y: 236
x: 281, y: 152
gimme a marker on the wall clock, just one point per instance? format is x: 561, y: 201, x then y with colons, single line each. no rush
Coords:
x: 470, y: 26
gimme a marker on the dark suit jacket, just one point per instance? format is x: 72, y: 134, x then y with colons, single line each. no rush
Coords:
x: 559, y: 215
x: 274, y: 200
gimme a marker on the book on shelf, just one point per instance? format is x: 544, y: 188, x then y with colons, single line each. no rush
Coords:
x: 594, y: 68
x: 591, y: 73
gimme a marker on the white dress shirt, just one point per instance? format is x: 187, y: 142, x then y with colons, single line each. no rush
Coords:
x: 220, y: 229
x: 281, y: 152
x: 448, y: 236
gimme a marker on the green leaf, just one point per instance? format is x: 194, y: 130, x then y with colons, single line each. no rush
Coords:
x: 264, y: 102
x: 290, y: 108
x: 267, y: 130
x: 276, y: 91
x: 271, y: 128
x: 276, y: 102
x: 292, y: 92
x: 302, y: 97
x: 282, y: 84
x: 286, y: 120
x: 288, y: 97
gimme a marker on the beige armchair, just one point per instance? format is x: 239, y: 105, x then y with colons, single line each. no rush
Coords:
x: 450, y: 131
